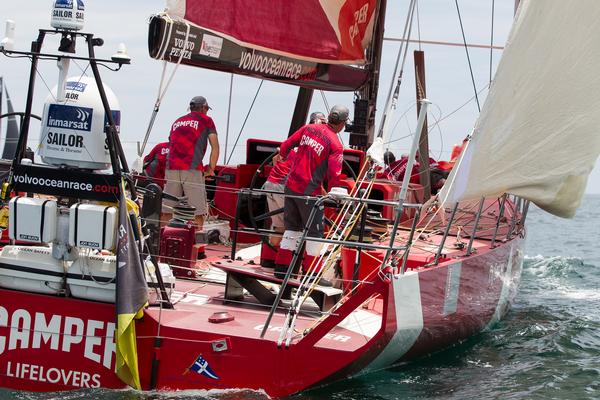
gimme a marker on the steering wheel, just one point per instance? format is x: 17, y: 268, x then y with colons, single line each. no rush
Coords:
x: 21, y: 115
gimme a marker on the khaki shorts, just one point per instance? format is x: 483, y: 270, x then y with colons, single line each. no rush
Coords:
x: 275, y: 202
x: 188, y: 183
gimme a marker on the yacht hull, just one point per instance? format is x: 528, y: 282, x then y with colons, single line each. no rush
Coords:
x: 50, y: 343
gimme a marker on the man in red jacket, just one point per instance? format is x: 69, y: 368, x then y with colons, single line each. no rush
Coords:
x: 276, y: 183
x: 319, y: 155
x: 185, y: 172
x: 156, y: 162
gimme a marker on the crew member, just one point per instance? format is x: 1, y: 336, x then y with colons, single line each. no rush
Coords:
x: 276, y: 183
x: 317, y: 117
x: 185, y: 172
x: 319, y: 155
x: 155, y: 164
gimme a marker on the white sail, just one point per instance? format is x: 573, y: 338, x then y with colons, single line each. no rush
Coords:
x: 538, y: 135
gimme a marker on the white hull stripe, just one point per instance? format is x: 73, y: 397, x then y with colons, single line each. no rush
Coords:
x: 502, y: 305
x: 409, y: 320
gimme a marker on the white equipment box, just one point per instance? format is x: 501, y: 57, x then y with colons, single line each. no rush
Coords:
x: 32, y: 220
x: 92, y: 277
x: 31, y: 269
x: 93, y: 226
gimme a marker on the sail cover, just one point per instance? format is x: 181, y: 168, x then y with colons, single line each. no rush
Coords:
x: 327, y: 31
x: 538, y: 135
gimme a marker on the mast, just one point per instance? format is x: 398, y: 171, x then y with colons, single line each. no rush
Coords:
x: 362, y: 131
x: 301, y: 109
x: 424, y: 176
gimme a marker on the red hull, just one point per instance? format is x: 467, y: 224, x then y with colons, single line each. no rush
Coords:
x: 59, y: 343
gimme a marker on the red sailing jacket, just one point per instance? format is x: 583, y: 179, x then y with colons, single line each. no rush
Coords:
x: 281, y: 170
x: 320, y: 155
x: 155, y: 163
x: 188, y: 141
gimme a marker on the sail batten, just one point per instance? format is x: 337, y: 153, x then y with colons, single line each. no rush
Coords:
x: 538, y: 135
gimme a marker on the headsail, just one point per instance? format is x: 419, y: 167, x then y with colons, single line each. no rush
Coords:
x: 538, y: 135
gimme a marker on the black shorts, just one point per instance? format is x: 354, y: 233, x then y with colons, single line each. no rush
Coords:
x: 296, y: 213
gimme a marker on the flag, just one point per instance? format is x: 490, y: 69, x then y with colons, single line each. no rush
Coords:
x: 132, y: 296
x: 201, y: 367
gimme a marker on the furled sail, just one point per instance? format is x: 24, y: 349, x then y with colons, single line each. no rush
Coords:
x: 312, y: 43
x: 538, y: 135
x: 326, y: 31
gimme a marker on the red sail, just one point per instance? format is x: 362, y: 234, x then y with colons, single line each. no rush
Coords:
x: 325, y: 31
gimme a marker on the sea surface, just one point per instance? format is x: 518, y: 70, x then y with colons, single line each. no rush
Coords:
x: 548, y: 347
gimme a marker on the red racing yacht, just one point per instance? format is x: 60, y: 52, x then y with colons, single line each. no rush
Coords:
x: 94, y: 293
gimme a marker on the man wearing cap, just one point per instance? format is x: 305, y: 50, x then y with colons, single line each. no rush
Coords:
x: 319, y: 155
x: 185, y: 172
x: 276, y: 183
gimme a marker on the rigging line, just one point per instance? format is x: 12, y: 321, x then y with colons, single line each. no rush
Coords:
x: 394, y: 91
x: 245, y: 120
x: 461, y: 106
x: 467, y: 52
x: 228, y: 117
x: 162, y: 90
x: 400, y: 118
x: 326, y: 103
x: 340, y: 231
x: 43, y: 138
x: 492, y: 39
x: 334, y: 254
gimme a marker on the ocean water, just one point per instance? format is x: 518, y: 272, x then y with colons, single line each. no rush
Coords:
x: 548, y: 347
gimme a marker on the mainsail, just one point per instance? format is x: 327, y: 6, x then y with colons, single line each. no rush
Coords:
x: 314, y: 44
x: 327, y: 31
x: 538, y: 135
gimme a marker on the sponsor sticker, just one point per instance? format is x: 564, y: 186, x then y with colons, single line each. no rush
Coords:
x: 70, y: 117
x: 85, y: 243
x: 63, y: 4
x: 211, y: 46
x: 76, y: 184
x: 77, y: 86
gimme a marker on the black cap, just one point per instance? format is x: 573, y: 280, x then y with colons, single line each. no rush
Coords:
x: 199, y: 101
x: 338, y: 114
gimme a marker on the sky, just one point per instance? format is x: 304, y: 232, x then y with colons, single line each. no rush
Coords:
x: 449, y: 84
